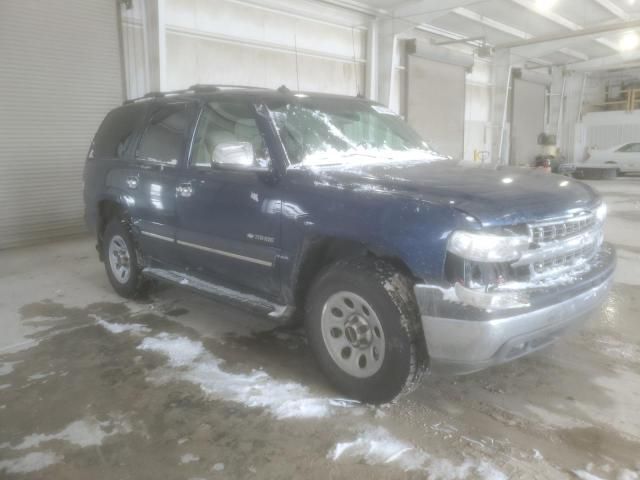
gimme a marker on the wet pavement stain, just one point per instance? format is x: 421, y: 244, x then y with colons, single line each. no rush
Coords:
x: 79, y: 370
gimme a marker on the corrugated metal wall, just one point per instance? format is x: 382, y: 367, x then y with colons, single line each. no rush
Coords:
x: 60, y: 73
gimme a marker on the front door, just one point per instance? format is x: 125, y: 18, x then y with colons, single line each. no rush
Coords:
x: 229, y: 221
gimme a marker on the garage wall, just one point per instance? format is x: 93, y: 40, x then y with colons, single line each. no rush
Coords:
x: 477, y: 117
x: 436, y: 103
x: 219, y: 41
x: 527, y: 121
x: 60, y: 74
x: 241, y: 43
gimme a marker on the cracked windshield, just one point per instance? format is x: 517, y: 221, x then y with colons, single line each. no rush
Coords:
x: 323, y: 132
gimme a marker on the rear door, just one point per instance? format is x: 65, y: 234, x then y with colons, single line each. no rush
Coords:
x: 160, y: 153
x: 229, y: 221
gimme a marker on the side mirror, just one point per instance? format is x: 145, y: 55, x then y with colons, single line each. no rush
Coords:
x: 237, y: 156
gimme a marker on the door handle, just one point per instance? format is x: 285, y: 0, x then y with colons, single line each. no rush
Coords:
x: 185, y: 189
x: 132, y: 181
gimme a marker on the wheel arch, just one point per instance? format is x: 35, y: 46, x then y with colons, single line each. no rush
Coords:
x: 108, y: 208
x: 321, y: 251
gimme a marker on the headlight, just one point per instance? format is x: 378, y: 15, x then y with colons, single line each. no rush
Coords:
x: 487, y: 247
x: 601, y: 212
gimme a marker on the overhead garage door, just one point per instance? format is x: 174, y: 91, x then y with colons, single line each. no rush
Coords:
x: 436, y: 102
x: 60, y: 73
x: 527, y: 121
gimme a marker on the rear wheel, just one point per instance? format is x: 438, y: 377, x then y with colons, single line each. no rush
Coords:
x: 121, y: 260
x: 363, y: 327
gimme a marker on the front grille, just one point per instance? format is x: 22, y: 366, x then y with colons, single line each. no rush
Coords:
x: 562, y: 245
x: 569, y: 260
x: 547, y: 232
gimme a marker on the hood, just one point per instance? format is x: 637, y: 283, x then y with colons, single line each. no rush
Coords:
x: 494, y: 197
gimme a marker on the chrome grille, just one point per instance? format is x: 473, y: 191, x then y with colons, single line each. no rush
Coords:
x: 547, y: 232
x: 569, y: 260
x: 561, y: 245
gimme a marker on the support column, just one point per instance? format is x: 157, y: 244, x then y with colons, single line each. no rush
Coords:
x: 373, y: 60
x: 500, y: 118
x: 153, y: 24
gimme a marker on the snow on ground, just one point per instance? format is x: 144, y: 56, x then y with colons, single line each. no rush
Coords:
x: 32, y: 462
x: 82, y: 433
x: 376, y: 446
x: 6, y: 368
x: 256, y: 389
x: 123, y: 327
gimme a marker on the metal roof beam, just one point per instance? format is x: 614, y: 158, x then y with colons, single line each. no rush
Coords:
x: 560, y: 20
x: 489, y: 22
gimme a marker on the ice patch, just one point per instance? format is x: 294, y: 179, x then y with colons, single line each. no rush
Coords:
x: 626, y: 474
x: 39, y: 376
x: 5, y: 385
x: 218, y: 467
x: 31, y: 462
x: 584, y: 475
x: 82, y: 433
x: 6, y: 368
x: 256, y: 389
x: 376, y: 446
x: 124, y: 327
x: 619, y: 350
x: 189, y: 458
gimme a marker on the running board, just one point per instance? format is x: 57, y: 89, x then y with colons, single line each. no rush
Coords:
x: 281, y: 313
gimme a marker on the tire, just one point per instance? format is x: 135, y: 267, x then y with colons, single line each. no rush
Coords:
x: 596, y: 173
x: 125, y: 274
x: 368, y: 291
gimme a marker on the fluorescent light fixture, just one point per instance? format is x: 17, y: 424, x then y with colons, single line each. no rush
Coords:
x: 545, y: 5
x: 629, y: 41
x: 301, y: 95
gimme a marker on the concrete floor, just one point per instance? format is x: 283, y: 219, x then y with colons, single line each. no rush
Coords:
x: 179, y: 387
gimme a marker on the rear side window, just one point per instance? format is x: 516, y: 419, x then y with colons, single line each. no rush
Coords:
x: 117, y: 133
x: 164, y: 139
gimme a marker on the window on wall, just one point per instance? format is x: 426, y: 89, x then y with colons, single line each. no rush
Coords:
x: 164, y: 139
x: 227, y: 122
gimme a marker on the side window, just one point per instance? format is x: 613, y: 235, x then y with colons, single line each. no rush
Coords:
x: 117, y: 133
x: 227, y: 122
x: 630, y: 147
x: 165, y: 137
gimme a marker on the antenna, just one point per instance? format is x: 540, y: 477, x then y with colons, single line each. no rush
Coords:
x: 355, y: 62
x: 295, y: 44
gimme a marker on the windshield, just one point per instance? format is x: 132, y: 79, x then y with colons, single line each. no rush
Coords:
x: 330, y: 131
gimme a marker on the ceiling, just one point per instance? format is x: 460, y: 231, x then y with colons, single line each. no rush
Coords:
x: 500, y: 23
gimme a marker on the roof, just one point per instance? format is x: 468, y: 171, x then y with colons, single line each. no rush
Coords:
x: 207, y: 91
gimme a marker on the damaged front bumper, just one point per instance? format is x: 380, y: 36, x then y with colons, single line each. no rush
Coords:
x: 463, y: 338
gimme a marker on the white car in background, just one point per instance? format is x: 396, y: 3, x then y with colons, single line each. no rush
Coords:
x: 610, y: 162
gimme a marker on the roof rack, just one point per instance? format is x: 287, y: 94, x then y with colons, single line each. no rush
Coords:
x: 197, y: 88
x: 217, y: 87
x: 150, y: 95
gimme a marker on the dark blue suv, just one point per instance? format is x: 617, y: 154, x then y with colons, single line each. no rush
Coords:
x: 332, y: 211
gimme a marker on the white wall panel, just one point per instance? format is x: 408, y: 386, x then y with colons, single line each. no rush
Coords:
x: 222, y: 41
x: 60, y: 74
x: 436, y: 103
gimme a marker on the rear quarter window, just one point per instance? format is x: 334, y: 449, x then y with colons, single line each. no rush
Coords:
x: 117, y: 134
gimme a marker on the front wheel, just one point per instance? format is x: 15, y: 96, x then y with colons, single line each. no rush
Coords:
x: 363, y: 327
